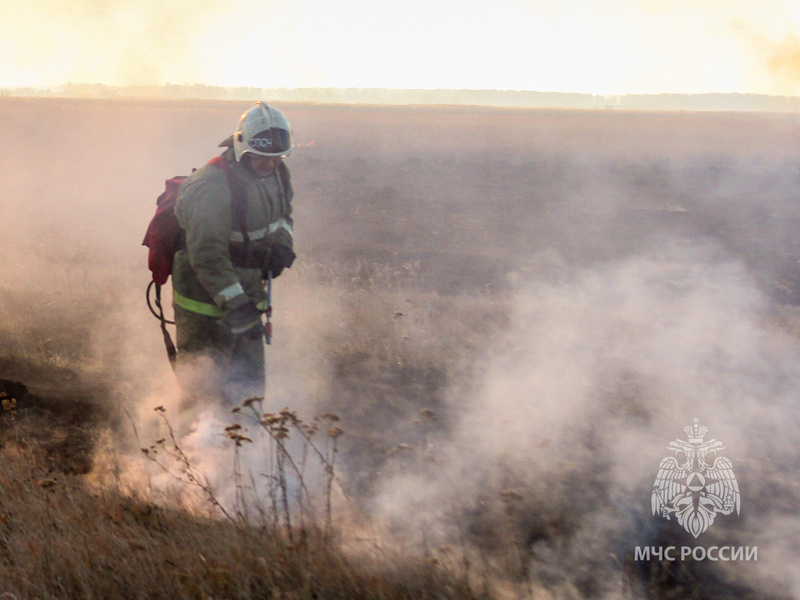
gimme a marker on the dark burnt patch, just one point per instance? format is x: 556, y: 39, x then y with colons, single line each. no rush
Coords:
x: 62, y: 429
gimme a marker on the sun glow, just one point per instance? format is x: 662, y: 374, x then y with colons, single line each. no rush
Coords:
x: 630, y: 46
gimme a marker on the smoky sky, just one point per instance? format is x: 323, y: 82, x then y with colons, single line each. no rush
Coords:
x: 637, y: 46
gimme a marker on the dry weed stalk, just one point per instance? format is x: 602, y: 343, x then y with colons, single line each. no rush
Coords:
x: 187, y: 472
x: 286, y: 468
x: 511, y: 499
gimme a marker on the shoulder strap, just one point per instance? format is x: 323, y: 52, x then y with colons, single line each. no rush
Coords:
x: 238, y: 197
x: 284, y: 181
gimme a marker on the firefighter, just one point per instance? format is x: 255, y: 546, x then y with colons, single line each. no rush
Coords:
x: 237, y: 224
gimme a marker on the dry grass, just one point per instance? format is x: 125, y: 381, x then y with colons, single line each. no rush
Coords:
x: 69, y: 536
x: 62, y: 539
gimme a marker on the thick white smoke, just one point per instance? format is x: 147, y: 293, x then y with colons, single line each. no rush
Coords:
x: 602, y: 369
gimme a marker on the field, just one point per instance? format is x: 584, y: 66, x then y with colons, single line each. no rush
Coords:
x: 511, y: 312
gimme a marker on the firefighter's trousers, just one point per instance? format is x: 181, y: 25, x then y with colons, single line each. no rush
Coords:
x: 214, y: 364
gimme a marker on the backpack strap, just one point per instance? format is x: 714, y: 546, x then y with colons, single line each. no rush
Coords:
x: 238, y: 196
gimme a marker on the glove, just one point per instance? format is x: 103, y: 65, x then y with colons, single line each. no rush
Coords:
x: 245, y: 320
x: 280, y: 257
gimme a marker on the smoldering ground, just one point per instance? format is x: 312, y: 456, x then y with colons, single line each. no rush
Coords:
x: 553, y: 455
x: 513, y: 313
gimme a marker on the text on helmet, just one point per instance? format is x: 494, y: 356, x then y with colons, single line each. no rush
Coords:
x: 261, y: 141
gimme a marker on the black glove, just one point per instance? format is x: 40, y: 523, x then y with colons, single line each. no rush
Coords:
x: 245, y: 320
x: 280, y: 257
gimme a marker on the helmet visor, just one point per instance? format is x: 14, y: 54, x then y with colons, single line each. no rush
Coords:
x: 273, y: 141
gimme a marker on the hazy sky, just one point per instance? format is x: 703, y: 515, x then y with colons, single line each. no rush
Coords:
x: 604, y: 47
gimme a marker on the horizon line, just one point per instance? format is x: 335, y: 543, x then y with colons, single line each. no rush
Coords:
x: 690, y: 101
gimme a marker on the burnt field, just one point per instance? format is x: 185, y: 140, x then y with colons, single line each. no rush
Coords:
x: 513, y: 312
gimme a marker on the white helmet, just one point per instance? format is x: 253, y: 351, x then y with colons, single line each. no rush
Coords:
x: 263, y: 130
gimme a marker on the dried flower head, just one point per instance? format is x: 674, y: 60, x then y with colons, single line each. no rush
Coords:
x: 271, y: 419
x: 309, y: 430
x: 335, y: 432
x: 238, y: 438
x: 253, y: 400
x: 290, y: 415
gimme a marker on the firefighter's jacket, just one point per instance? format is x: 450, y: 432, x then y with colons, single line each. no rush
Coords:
x: 217, y: 269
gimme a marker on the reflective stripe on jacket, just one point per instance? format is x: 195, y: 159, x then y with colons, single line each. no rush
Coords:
x: 202, y: 308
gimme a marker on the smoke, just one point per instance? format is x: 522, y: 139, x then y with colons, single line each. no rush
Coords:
x: 784, y: 64
x: 575, y: 409
x: 564, y: 306
x: 773, y: 58
x: 659, y: 308
x: 94, y: 41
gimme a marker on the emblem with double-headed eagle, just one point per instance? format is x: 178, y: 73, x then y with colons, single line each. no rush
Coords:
x: 694, y: 490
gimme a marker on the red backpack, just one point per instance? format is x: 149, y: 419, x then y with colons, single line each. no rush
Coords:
x: 163, y: 233
x: 163, y: 238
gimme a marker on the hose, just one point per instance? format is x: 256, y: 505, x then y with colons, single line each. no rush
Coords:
x: 157, y: 301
